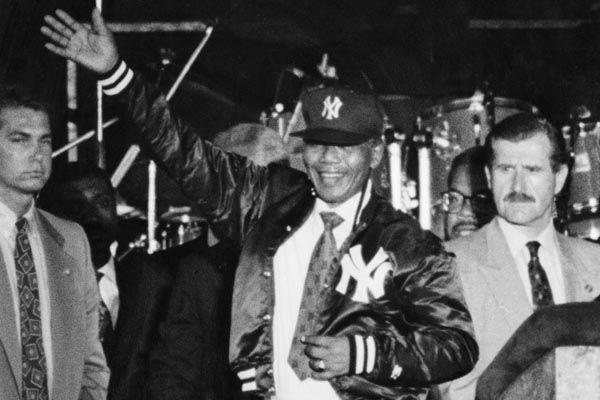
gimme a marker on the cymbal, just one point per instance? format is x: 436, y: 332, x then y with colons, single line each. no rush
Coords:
x: 179, y: 215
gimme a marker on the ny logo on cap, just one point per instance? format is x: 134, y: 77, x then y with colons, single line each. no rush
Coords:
x: 331, y: 108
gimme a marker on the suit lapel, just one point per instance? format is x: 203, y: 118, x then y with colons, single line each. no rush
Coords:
x: 8, y: 328
x: 63, y: 310
x: 503, y: 278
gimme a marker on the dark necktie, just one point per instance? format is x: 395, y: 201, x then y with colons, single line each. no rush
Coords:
x: 35, y: 374
x: 540, y: 288
x: 324, y: 253
x: 105, y: 328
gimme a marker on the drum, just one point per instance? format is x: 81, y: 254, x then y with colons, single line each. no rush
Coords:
x: 456, y: 126
x: 177, y: 226
x: 584, y: 189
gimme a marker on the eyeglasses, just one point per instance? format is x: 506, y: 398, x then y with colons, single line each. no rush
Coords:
x: 453, y: 202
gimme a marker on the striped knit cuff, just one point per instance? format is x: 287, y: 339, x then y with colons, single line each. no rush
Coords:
x: 247, y: 377
x: 117, y: 79
x: 362, y: 354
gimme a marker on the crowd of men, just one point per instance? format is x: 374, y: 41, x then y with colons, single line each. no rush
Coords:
x: 307, y: 286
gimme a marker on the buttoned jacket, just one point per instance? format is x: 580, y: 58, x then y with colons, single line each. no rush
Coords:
x: 420, y: 324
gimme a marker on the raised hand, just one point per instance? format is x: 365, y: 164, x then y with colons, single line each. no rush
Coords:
x: 94, y: 48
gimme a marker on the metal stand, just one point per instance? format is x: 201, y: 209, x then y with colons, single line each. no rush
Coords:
x: 395, y: 141
x: 423, y: 139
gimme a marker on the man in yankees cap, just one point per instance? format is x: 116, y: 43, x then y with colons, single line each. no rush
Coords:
x: 337, y: 295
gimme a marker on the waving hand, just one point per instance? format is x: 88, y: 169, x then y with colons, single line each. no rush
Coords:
x: 94, y: 49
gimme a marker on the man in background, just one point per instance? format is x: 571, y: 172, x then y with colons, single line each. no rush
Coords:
x: 518, y: 263
x: 134, y: 290
x: 468, y: 202
x: 49, y: 347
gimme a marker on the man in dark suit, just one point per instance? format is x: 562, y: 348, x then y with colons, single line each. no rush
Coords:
x: 49, y: 347
x: 189, y: 359
x: 134, y: 291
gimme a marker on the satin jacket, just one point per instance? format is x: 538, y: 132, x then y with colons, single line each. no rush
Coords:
x: 421, y: 326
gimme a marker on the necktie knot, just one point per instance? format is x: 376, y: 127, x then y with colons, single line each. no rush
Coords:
x: 331, y: 219
x: 21, y: 225
x: 533, y: 247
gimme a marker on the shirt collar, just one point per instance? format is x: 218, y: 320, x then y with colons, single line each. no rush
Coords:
x: 9, y: 218
x: 108, y: 270
x: 347, y: 209
x: 517, y: 240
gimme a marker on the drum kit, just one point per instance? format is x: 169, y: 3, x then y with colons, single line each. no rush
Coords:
x: 174, y: 227
x: 459, y: 124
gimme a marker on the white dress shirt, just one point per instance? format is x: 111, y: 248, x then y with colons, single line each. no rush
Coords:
x: 8, y: 238
x: 548, y: 254
x: 109, y: 291
x: 290, y: 266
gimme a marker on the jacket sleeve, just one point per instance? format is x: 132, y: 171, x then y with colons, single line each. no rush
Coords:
x: 226, y: 187
x: 432, y: 339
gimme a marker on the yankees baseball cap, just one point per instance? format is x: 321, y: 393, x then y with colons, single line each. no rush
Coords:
x: 339, y: 116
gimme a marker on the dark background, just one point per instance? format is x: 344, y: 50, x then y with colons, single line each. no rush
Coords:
x: 427, y: 50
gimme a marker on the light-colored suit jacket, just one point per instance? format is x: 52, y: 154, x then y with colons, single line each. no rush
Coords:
x: 80, y: 370
x: 496, y: 296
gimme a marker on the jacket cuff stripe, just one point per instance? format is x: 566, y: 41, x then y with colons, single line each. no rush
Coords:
x: 121, y: 85
x: 352, y: 355
x: 247, y: 374
x: 116, y: 80
x: 360, y: 354
x: 247, y: 377
x: 371, y: 354
x: 249, y: 386
x: 109, y: 78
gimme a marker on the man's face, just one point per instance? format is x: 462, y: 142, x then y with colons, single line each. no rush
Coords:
x: 339, y: 172
x: 25, y: 151
x: 467, y: 182
x: 91, y: 203
x: 523, y: 182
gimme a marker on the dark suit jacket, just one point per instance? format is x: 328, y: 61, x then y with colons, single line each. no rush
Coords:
x: 144, y: 288
x: 189, y: 361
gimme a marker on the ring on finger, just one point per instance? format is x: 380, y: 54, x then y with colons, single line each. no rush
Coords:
x: 321, y: 365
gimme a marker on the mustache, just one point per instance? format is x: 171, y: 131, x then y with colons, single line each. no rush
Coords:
x: 515, y: 197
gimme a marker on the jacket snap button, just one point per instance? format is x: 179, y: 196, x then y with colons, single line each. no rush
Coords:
x: 266, y: 317
x: 266, y: 273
